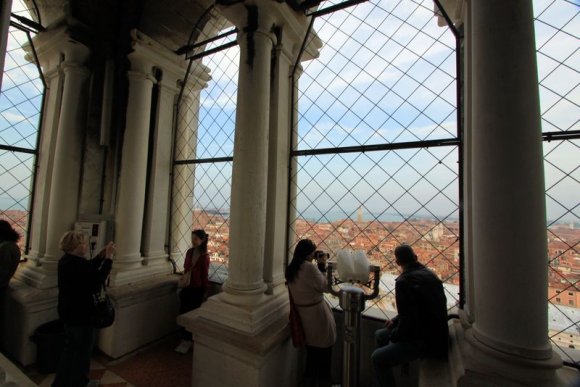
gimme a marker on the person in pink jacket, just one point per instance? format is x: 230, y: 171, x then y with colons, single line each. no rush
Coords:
x: 307, y: 283
x: 191, y: 297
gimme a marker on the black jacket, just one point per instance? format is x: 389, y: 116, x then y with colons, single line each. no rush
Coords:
x: 78, y: 279
x: 422, y: 309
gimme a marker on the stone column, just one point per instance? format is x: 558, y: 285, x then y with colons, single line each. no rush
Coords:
x: 469, y: 308
x: 64, y: 188
x: 184, y: 175
x: 245, y: 284
x: 48, y: 46
x: 133, y: 176
x: 278, y: 158
x: 508, y: 199
x: 245, y: 326
x: 155, y: 230
x: 5, y: 9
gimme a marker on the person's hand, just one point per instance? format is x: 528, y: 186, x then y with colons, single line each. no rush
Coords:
x: 110, y: 250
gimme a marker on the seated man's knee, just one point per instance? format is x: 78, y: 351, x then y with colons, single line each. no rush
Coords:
x: 385, y: 356
x: 382, y: 336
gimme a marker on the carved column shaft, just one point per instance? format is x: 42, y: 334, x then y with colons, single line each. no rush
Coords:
x: 250, y: 169
x: 64, y: 189
x: 132, y: 184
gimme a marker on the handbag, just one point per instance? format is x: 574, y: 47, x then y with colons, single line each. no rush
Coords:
x: 103, y: 310
x: 184, y: 280
x: 296, y: 328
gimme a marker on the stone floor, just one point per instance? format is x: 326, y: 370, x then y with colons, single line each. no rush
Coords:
x: 157, y: 365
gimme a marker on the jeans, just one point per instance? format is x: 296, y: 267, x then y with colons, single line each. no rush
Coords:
x: 389, y: 354
x: 75, y: 361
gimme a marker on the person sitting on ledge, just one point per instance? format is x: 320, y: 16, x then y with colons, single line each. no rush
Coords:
x: 420, y: 329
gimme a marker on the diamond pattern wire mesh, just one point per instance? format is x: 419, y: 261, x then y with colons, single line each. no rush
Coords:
x: 385, y: 75
x: 204, y: 166
x: 385, y: 67
x: 20, y: 105
x: 557, y: 43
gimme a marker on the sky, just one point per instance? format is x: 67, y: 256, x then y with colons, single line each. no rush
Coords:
x: 385, y: 74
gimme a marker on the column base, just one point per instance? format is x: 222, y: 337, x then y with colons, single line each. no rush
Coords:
x: 144, y: 312
x: 476, y: 364
x: 243, y: 316
x: 44, y: 276
x: 24, y: 308
x: 263, y: 358
x: 131, y: 275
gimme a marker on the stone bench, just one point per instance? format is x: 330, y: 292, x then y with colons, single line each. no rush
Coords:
x: 434, y: 373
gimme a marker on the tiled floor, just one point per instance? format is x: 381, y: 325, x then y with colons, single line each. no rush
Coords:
x: 99, y: 372
x: 157, y: 365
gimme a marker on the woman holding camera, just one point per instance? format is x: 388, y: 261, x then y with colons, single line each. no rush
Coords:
x: 78, y: 278
x: 306, y: 284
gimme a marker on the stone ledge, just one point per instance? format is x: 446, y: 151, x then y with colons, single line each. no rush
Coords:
x: 10, y: 375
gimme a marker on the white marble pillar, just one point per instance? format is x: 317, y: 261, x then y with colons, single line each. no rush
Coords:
x: 469, y: 308
x: 293, y: 178
x: 5, y: 9
x: 245, y: 282
x: 155, y: 229
x: 48, y: 46
x: 509, y: 211
x: 245, y: 326
x: 508, y: 216
x: 184, y: 175
x: 133, y: 176
x: 278, y: 159
x: 64, y: 188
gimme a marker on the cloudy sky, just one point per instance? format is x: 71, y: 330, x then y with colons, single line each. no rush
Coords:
x: 385, y: 74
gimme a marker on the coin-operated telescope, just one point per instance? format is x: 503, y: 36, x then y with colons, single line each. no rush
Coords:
x: 347, y: 278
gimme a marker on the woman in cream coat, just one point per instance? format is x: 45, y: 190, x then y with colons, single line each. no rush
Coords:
x: 307, y: 283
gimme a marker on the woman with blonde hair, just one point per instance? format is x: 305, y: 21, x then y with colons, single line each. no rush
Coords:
x: 78, y: 279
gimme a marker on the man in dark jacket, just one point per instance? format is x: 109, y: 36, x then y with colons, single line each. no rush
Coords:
x: 420, y: 329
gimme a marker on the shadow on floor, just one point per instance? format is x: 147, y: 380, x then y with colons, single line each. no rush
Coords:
x: 156, y: 365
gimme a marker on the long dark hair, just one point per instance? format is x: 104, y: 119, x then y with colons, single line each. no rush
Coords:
x: 303, y: 249
x: 201, y: 234
x: 7, y: 233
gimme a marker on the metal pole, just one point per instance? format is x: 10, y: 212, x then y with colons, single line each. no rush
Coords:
x: 352, y: 301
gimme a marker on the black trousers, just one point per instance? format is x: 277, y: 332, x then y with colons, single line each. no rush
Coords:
x: 190, y: 299
x: 318, y: 365
x: 74, y: 365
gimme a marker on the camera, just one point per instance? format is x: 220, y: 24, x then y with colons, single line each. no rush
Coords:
x: 319, y: 254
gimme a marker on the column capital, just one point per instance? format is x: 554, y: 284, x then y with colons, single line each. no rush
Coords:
x: 453, y: 8
x: 54, y: 46
x: 74, y: 68
x: 278, y: 19
x: 259, y: 32
x: 141, y: 76
x: 169, y: 82
x: 75, y: 52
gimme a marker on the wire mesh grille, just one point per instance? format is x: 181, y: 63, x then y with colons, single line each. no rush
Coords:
x: 385, y: 75
x: 203, y: 167
x: 20, y: 106
x: 557, y: 42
